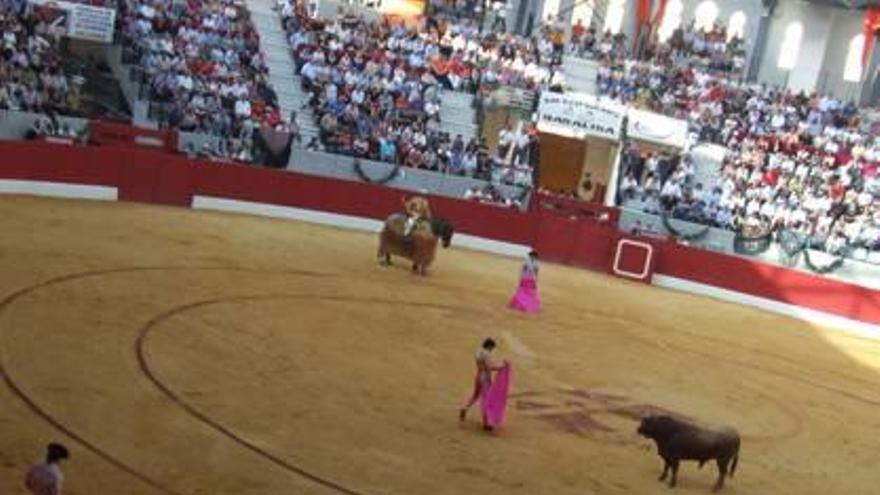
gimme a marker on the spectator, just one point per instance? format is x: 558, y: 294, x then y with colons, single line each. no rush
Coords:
x: 46, y: 478
x: 379, y: 85
x: 202, y: 68
x: 31, y: 77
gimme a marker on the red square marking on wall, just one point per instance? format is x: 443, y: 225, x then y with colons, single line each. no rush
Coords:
x: 633, y: 259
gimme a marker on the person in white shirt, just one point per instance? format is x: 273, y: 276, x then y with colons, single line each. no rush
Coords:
x: 630, y: 186
x: 505, y: 141
x: 46, y: 478
x: 499, y: 9
x: 432, y: 109
x: 798, y: 217
x: 671, y: 192
x: 243, y: 108
x: 522, y: 146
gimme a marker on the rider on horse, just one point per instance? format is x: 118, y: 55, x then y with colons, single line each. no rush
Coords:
x: 417, y: 210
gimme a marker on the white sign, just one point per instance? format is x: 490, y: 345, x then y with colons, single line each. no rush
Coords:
x: 658, y: 129
x: 85, y: 22
x: 579, y: 115
x: 91, y: 23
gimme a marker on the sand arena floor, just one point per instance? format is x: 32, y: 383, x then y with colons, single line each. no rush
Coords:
x: 179, y: 352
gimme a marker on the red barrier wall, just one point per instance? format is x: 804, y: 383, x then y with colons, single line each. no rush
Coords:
x: 770, y: 282
x: 153, y: 177
x: 57, y: 163
x: 105, y: 133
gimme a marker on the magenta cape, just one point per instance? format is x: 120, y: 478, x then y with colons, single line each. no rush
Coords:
x: 494, y: 400
x: 526, y: 297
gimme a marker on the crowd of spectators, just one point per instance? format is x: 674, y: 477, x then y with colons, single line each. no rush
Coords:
x: 489, y: 194
x: 110, y: 4
x: 516, y: 155
x: 711, y: 50
x: 794, y: 161
x: 585, y: 41
x: 684, y: 77
x: 31, y: 73
x: 47, y: 126
x: 202, y: 68
x: 222, y: 150
x: 376, y: 87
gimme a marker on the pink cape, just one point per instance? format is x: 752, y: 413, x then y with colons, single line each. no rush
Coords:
x: 526, y: 297
x: 494, y: 400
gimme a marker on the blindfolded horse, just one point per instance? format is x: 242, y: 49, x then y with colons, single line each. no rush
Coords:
x: 419, y: 247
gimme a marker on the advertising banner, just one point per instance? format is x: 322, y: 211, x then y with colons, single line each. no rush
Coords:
x: 578, y: 115
x: 77, y: 20
x: 655, y: 128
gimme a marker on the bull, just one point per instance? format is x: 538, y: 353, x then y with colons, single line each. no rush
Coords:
x: 678, y: 440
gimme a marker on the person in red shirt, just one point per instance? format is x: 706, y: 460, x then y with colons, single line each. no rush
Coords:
x: 272, y: 116
x: 578, y: 30
x: 843, y: 156
x: 45, y: 479
x: 771, y: 177
x: 257, y: 110
x: 836, y: 190
x: 414, y: 158
x: 440, y: 68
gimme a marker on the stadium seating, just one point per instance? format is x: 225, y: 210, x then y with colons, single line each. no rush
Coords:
x: 796, y: 162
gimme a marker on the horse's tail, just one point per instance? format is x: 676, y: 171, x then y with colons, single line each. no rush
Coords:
x: 735, y: 459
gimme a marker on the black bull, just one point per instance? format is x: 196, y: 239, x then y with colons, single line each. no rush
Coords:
x: 680, y: 441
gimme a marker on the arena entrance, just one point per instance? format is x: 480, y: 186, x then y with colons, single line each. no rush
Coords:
x: 580, y: 146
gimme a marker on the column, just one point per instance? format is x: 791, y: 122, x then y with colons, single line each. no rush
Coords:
x: 759, y: 50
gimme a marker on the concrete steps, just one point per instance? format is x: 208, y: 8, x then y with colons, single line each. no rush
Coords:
x: 707, y: 159
x: 282, y: 70
x: 457, y: 115
x: 580, y: 74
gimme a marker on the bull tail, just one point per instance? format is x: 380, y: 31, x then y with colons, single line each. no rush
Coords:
x: 735, y: 459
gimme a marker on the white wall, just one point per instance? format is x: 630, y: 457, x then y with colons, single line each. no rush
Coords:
x: 817, y: 30
x: 845, y: 26
x: 786, y: 13
x: 822, y: 55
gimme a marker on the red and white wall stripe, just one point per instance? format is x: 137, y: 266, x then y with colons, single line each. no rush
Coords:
x: 135, y: 174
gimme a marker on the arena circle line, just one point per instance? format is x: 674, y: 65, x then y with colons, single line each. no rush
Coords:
x: 41, y: 412
x: 793, y: 429
x: 165, y: 389
x: 59, y: 425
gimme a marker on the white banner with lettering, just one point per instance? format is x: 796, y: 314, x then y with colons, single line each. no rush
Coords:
x: 579, y: 115
x: 80, y: 21
x: 92, y: 23
x: 655, y: 128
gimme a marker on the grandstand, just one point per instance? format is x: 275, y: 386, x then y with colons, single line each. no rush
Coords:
x: 663, y: 158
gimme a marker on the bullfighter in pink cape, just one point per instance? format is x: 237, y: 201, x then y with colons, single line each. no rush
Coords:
x: 492, y: 394
x: 526, y: 297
